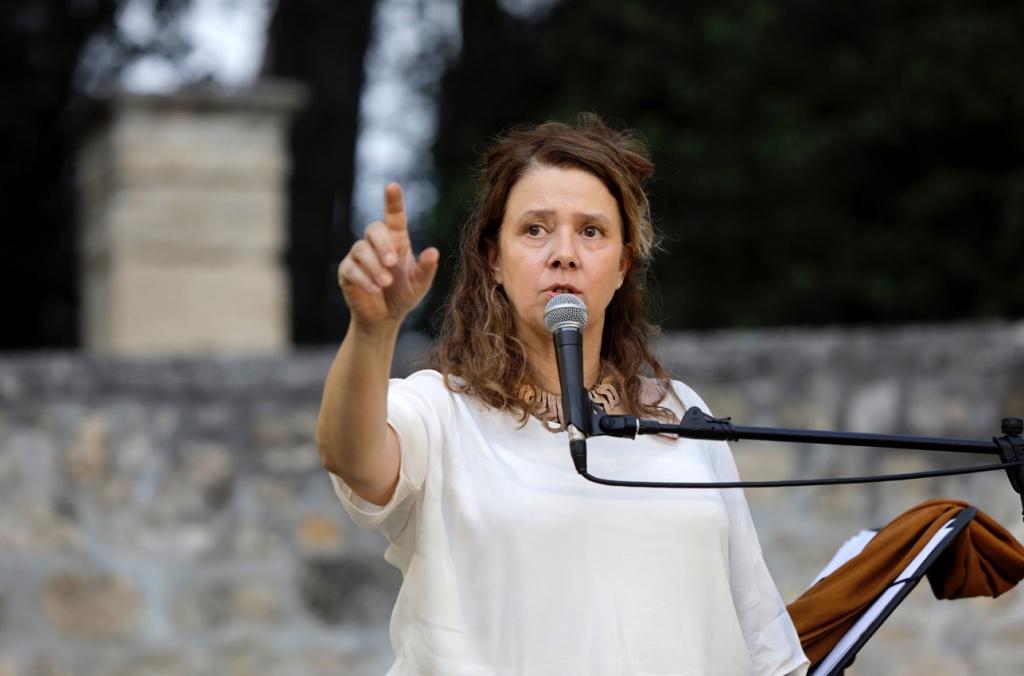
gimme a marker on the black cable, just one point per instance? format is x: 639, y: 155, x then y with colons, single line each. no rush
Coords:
x: 877, y: 478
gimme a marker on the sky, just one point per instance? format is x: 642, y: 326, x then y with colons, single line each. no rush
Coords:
x: 397, y: 122
x: 227, y: 39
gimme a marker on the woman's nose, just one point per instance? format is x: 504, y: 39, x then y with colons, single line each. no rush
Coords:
x: 564, y: 253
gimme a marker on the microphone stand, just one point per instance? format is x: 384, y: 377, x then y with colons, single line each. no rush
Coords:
x: 566, y: 315
x: 696, y: 424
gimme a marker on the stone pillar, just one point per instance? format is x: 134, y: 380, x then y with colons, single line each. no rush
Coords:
x: 182, y: 212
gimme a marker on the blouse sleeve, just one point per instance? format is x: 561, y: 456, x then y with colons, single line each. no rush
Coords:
x: 416, y: 410
x: 771, y: 638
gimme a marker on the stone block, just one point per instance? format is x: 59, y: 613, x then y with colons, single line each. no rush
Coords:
x: 369, y: 660
x: 153, y: 309
x: 188, y: 146
x: 257, y: 540
x: 182, y: 208
x: 843, y: 506
x: 216, y: 604
x: 164, y: 663
x: 246, y: 656
x: 939, y: 408
x: 34, y: 525
x: 209, y: 468
x: 36, y: 454
x: 910, y: 493
x: 763, y: 393
x: 320, y: 535
x: 286, y: 441
x: 44, y: 665
x: 765, y: 461
x: 86, y: 462
x: 814, y: 405
x: 167, y: 222
x: 273, y: 492
x: 90, y: 604
x: 10, y: 472
x: 179, y: 537
x: 349, y: 589
x: 259, y: 601
x: 213, y: 418
x: 875, y: 408
x: 933, y: 665
x: 727, y: 402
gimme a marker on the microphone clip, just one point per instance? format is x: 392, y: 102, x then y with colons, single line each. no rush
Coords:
x: 1011, y: 449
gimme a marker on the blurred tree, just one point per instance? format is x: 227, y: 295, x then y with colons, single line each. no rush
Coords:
x: 845, y: 162
x: 321, y: 43
x: 52, y: 51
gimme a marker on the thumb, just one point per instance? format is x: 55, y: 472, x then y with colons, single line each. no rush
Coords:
x: 426, y: 268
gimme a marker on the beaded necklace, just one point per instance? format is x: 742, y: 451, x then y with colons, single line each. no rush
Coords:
x: 547, y: 407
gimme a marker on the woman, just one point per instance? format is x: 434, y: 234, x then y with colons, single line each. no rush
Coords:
x: 512, y: 563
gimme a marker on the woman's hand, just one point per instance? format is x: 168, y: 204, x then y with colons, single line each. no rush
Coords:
x: 380, y: 277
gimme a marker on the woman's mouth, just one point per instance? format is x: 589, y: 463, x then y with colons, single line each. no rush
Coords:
x: 556, y: 289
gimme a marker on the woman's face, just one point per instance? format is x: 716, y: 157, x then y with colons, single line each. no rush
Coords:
x: 561, y: 232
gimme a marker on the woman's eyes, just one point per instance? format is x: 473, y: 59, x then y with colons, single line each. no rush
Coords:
x: 588, y: 231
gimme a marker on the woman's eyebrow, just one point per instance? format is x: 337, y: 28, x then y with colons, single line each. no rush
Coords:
x: 581, y: 215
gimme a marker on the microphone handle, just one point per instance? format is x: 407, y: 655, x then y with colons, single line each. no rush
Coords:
x: 569, y: 356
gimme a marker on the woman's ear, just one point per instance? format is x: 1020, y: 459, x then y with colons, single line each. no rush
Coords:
x: 494, y: 261
x: 624, y: 263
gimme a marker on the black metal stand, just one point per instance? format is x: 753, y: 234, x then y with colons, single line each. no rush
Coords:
x: 842, y: 656
x: 696, y: 424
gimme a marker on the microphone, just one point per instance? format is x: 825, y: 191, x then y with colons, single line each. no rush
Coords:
x: 566, y: 316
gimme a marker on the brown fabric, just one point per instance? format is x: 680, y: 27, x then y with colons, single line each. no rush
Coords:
x: 984, y: 560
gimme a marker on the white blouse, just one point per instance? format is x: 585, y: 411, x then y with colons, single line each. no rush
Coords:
x: 514, y: 564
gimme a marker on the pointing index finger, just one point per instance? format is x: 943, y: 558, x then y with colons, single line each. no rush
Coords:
x: 394, y: 208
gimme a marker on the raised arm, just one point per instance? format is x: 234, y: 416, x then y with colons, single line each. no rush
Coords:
x: 381, y: 281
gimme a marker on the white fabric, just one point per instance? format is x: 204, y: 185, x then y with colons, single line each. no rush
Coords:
x: 514, y: 564
x: 849, y: 549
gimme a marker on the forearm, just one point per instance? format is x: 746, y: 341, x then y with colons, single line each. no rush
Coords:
x: 352, y: 433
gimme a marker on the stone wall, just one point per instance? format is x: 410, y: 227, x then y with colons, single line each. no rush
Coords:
x: 169, y: 516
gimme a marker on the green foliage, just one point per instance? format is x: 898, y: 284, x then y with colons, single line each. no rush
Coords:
x: 817, y: 162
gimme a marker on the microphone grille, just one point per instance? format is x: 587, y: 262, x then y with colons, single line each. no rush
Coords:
x: 565, y: 310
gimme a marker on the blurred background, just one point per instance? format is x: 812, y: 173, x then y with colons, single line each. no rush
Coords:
x: 839, y: 191
x: 849, y: 163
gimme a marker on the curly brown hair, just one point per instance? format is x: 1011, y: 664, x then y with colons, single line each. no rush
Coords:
x: 478, y: 351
